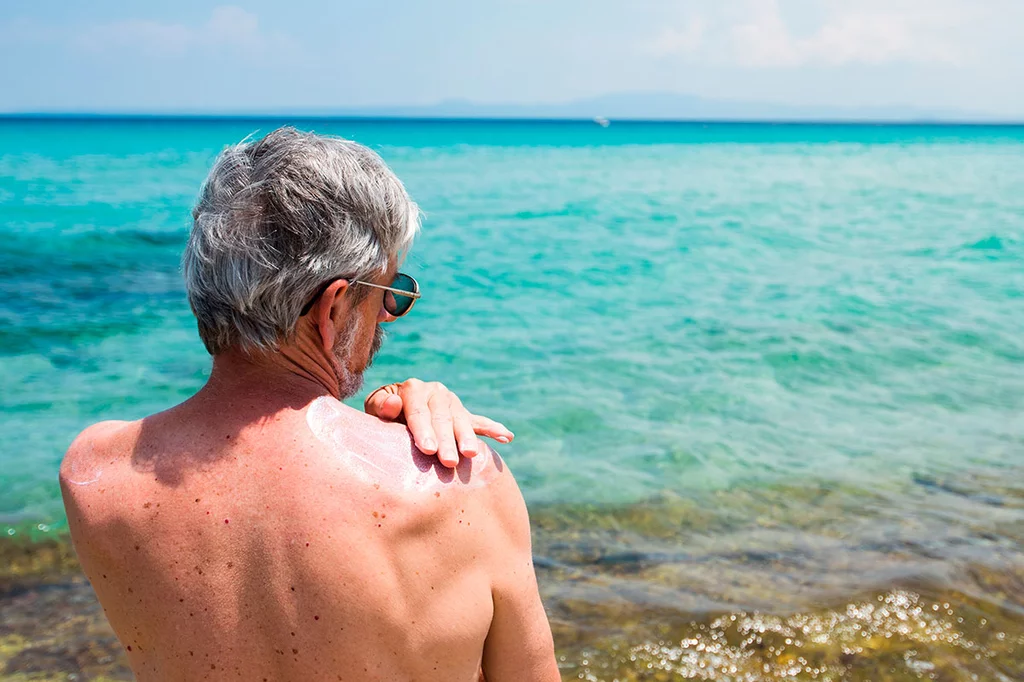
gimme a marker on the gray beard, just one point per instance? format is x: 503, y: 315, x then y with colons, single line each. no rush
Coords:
x: 350, y: 382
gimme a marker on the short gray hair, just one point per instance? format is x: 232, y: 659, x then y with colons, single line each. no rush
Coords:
x: 278, y: 217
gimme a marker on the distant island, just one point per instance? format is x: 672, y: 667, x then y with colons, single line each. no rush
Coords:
x: 639, y: 106
x: 667, y: 107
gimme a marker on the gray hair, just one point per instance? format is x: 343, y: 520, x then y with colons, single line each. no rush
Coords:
x: 278, y: 217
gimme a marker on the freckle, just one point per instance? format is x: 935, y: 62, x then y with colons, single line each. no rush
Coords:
x: 104, y: 575
x: 230, y: 564
x: 383, y: 516
x: 197, y: 499
x: 213, y: 667
x: 147, y: 505
x: 316, y: 617
x: 192, y: 615
x: 437, y: 494
x: 129, y: 590
x: 378, y: 525
x: 207, y: 513
x: 293, y: 634
x: 129, y: 647
x: 225, y: 520
x: 136, y: 548
x: 375, y: 514
x: 295, y: 651
x: 307, y: 544
x: 376, y: 486
x: 191, y: 653
x: 182, y: 601
x: 293, y: 589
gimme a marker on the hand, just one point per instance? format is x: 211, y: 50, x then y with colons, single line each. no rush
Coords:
x: 436, y: 418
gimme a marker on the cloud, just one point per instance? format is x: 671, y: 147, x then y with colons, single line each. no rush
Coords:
x: 683, y: 40
x: 228, y: 27
x: 870, y: 32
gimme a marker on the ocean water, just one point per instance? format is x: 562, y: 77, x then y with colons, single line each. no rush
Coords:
x: 750, y: 367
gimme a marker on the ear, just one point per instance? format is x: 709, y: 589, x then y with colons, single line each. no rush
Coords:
x: 328, y: 311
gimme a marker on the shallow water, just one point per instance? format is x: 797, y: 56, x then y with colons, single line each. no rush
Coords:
x: 771, y: 368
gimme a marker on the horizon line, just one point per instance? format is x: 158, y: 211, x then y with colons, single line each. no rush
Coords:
x: 266, y: 116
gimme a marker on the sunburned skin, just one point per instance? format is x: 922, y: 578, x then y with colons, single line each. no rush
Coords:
x: 85, y: 470
x: 387, y: 457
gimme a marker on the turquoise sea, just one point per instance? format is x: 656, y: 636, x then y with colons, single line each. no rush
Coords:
x: 751, y: 368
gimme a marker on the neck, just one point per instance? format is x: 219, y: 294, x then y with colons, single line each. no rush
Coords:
x: 297, y: 372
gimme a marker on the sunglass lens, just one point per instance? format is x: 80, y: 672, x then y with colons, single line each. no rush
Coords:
x: 396, y: 304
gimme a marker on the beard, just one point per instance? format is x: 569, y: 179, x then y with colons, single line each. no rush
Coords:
x: 350, y: 382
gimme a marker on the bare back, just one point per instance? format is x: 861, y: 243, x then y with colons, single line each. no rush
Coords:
x: 312, y: 544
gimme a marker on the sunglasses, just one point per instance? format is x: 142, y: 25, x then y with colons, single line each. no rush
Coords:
x: 398, y: 299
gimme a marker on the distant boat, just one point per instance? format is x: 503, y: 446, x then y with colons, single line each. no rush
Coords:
x: 602, y: 121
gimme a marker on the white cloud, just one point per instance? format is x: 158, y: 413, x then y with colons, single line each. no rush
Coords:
x: 870, y: 32
x: 763, y: 38
x: 683, y: 40
x: 227, y: 27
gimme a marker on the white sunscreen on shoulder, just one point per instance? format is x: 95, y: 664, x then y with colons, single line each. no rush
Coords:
x: 83, y: 469
x: 385, y: 454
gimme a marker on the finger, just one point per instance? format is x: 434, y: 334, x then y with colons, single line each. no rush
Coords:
x: 384, y: 403
x: 483, y: 426
x: 391, y: 410
x: 441, y: 418
x: 417, y: 415
x: 462, y: 422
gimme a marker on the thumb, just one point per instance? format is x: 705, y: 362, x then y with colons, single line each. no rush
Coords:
x: 384, y: 405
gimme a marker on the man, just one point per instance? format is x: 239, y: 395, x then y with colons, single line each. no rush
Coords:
x: 262, y: 530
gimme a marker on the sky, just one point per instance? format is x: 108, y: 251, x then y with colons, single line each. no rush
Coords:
x: 259, y: 56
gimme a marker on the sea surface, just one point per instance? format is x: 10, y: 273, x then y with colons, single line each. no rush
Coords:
x: 767, y: 381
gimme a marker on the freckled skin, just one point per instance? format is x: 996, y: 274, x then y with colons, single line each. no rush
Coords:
x: 235, y: 544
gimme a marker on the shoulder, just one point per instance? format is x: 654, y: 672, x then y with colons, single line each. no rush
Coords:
x: 485, y: 489
x: 385, y: 458
x: 501, y: 496
x: 84, y: 460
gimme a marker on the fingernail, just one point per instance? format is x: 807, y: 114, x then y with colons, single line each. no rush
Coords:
x: 503, y: 439
x: 429, y: 444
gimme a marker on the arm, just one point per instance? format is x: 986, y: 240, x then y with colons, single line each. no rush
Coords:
x: 519, y: 647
